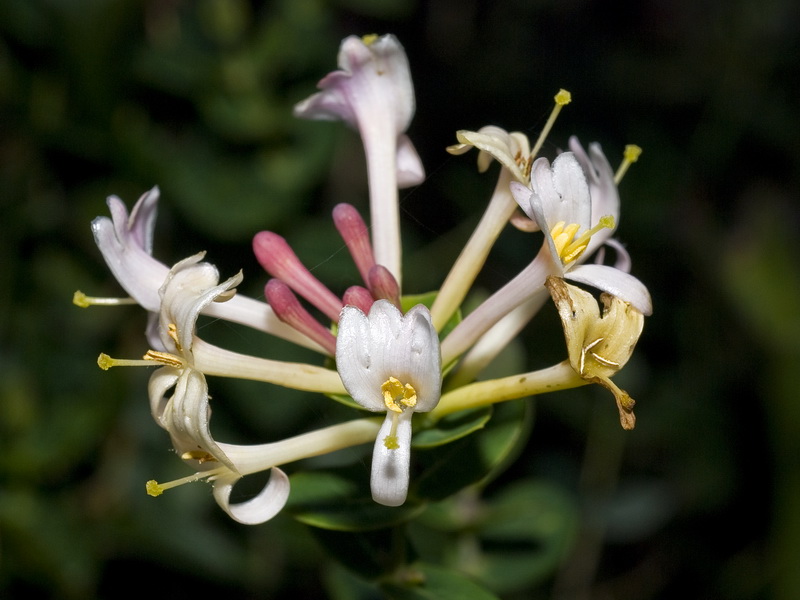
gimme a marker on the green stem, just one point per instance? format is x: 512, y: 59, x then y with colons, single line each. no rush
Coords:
x: 483, y: 393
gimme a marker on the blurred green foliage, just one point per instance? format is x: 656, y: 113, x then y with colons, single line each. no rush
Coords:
x: 102, y: 97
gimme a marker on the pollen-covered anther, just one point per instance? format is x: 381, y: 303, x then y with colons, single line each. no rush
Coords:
x: 200, y: 456
x: 164, y: 358
x: 568, y: 247
x: 398, y: 396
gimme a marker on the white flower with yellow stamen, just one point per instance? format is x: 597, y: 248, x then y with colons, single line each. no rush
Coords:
x: 390, y: 362
x: 558, y: 199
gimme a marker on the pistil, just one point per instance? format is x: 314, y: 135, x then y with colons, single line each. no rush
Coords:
x: 84, y: 301
x: 630, y: 156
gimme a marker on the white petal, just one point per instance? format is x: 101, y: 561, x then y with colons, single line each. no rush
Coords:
x: 531, y: 203
x: 260, y: 509
x: 161, y: 381
x: 615, y: 282
x: 189, y: 288
x: 359, y: 370
x: 390, y: 468
x: 187, y: 414
x: 574, y: 201
x: 603, y: 190
x: 410, y: 171
x: 417, y: 358
x: 125, y: 248
x: 494, y: 142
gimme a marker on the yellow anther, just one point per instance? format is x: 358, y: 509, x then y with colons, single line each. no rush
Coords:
x: 369, y: 39
x: 398, y: 396
x: 84, y: 301
x: 570, y: 248
x: 562, y: 98
x: 164, y: 358
x: 199, y: 455
x: 630, y: 156
x: 172, y: 331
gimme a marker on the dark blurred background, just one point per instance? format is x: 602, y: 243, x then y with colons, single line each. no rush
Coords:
x: 102, y: 97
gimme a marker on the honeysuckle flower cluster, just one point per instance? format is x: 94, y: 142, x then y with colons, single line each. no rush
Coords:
x: 388, y: 356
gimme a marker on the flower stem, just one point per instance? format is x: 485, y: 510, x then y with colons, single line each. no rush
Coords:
x: 483, y: 393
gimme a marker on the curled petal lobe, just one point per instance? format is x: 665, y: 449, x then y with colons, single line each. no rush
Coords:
x: 186, y: 415
x: 410, y: 171
x: 126, y: 243
x: 259, y: 509
x: 190, y: 286
x: 615, y: 282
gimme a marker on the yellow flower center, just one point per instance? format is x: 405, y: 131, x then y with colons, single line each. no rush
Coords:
x: 568, y: 247
x: 397, y: 397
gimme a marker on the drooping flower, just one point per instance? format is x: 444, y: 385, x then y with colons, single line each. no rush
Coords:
x: 186, y: 414
x: 599, y: 344
x: 390, y: 362
x: 191, y: 286
x: 373, y: 93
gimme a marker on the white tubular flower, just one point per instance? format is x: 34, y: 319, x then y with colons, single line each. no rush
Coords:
x: 373, y: 93
x: 185, y: 415
x: 390, y: 362
x: 126, y: 243
x: 560, y: 202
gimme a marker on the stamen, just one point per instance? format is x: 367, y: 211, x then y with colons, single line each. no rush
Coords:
x: 164, y: 358
x: 289, y: 310
x: 155, y: 489
x: 200, y: 456
x: 562, y: 98
x: 397, y: 397
x: 355, y: 234
x: 369, y: 39
x: 280, y: 261
x: 630, y: 156
x: 570, y: 249
x: 84, y: 301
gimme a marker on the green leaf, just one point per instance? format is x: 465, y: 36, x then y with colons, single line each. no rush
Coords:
x: 370, y: 554
x: 429, y: 582
x: 452, y: 427
x: 341, y: 500
x: 527, y: 531
x: 447, y: 469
